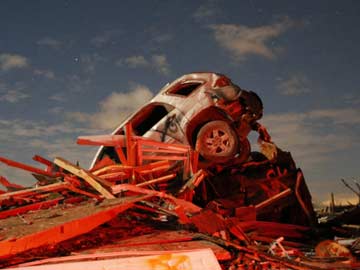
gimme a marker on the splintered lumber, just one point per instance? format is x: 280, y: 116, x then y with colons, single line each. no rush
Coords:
x: 33, y: 191
x: 87, y: 176
x: 9, y: 186
x: 130, y: 145
x: 188, y: 206
x: 157, y: 180
x: 191, y: 259
x: 273, y: 199
x: 51, y: 226
x: 102, y: 140
x: 43, y: 160
x: 25, y: 167
x: 137, y: 146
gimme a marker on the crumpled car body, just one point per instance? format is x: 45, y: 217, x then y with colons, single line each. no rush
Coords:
x: 198, y: 109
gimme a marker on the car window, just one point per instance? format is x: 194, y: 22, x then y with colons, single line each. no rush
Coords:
x: 149, y: 116
x: 184, y: 89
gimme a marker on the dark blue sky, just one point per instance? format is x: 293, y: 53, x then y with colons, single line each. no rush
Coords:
x: 66, y: 68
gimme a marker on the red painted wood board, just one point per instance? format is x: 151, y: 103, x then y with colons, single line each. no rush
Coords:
x: 51, y: 226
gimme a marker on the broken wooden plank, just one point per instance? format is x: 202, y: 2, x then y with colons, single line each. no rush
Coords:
x: 33, y: 191
x: 273, y: 199
x: 131, y: 145
x: 10, y: 186
x: 51, y: 226
x: 157, y: 180
x: 102, y: 140
x: 120, y: 153
x: 25, y: 167
x: 188, y: 206
x: 181, y: 148
x: 43, y: 160
x: 87, y: 176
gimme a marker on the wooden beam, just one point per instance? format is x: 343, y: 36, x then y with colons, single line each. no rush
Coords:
x: 273, y: 199
x: 43, y: 160
x: 33, y: 191
x: 130, y: 145
x: 87, y: 176
x: 157, y: 180
x: 102, y: 140
x: 121, y: 155
x: 25, y: 167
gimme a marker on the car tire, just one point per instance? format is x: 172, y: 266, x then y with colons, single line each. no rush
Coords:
x: 217, y: 141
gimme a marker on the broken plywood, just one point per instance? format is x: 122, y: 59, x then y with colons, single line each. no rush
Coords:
x: 51, y: 226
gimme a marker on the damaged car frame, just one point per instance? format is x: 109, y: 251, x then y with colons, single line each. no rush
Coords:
x: 204, y: 110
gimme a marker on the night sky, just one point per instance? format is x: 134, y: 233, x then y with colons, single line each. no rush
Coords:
x: 70, y: 68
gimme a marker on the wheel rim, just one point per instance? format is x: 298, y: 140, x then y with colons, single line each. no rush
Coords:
x: 217, y: 142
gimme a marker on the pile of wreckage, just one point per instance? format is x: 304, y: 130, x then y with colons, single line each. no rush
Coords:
x: 150, y: 203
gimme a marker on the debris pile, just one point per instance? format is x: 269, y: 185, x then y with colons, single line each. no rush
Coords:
x: 151, y: 202
x: 264, y: 220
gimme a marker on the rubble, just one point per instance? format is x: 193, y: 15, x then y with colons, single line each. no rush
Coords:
x: 154, y: 202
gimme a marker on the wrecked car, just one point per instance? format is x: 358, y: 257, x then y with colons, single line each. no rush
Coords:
x: 204, y: 110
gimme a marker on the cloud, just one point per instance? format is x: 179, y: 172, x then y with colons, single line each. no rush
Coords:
x: 50, y: 42
x: 12, y: 61
x: 105, y: 38
x: 60, y: 97
x: 56, y: 110
x: 16, y: 176
x: 114, y: 108
x: 45, y: 72
x: 162, y: 38
x: 242, y: 41
x: 352, y: 99
x: 318, y: 134
x: 161, y: 64
x: 55, y: 136
x: 347, y: 116
x: 136, y: 61
x: 66, y: 148
x: 294, y: 86
x: 12, y: 94
x: 156, y: 61
x: 90, y: 61
x: 10, y: 129
x: 206, y: 11
x: 76, y: 83
x: 44, y: 138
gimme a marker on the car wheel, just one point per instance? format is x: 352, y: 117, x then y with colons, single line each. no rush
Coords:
x: 217, y: 141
